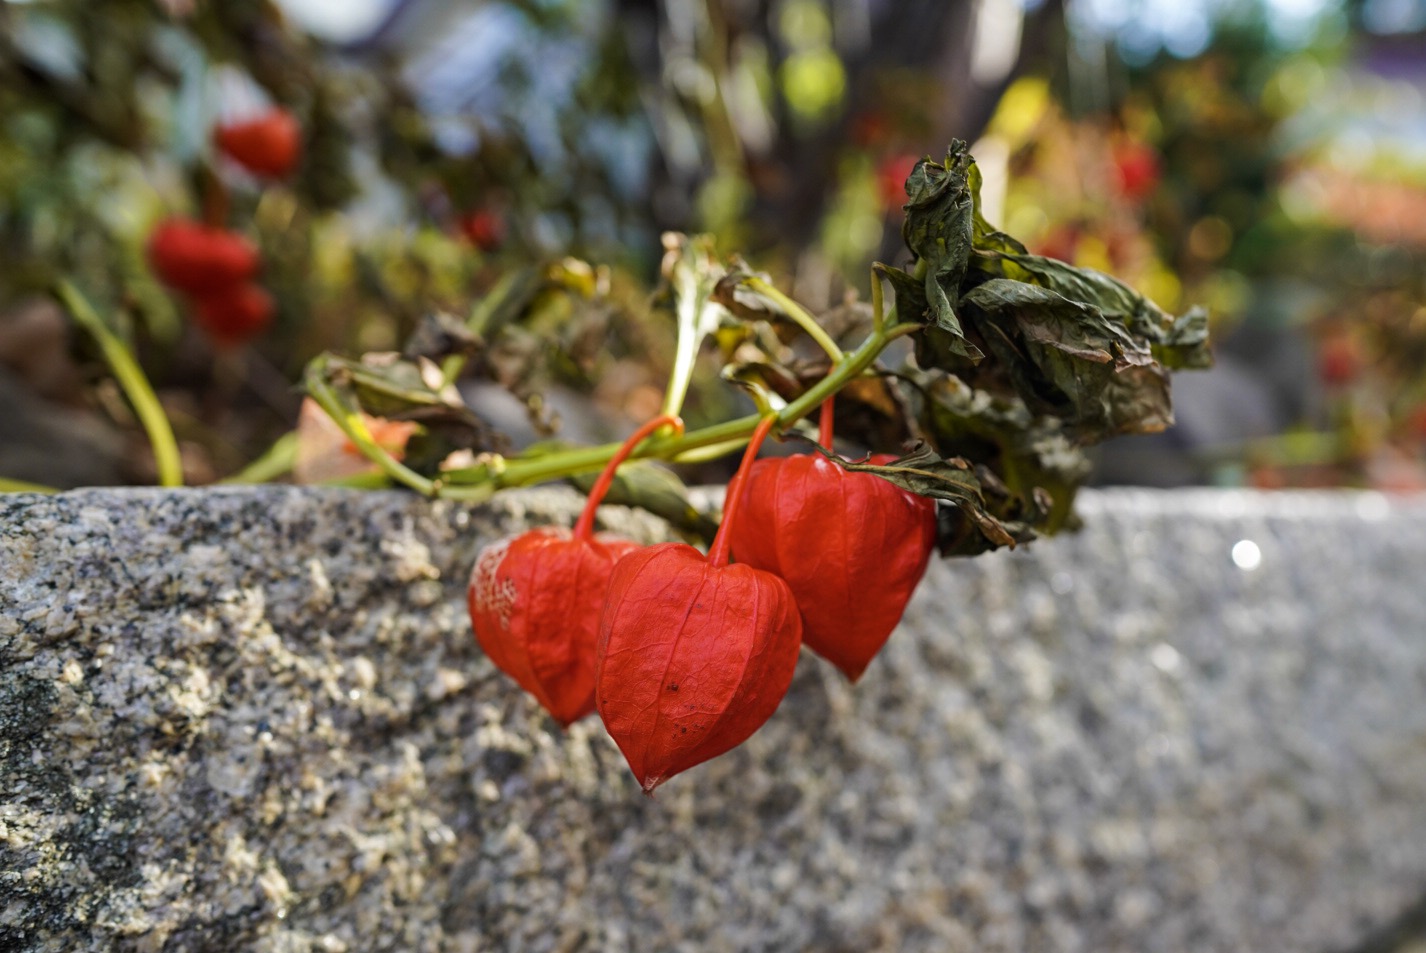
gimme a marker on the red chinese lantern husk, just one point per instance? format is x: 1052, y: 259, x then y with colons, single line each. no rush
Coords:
x: 694, y: 654
x: 851, y: 546
x: 535, y: 600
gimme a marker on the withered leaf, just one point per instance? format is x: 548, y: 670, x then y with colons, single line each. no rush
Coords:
x: 440, y: 335
x: 1030, y: 454
x: 1066, y: 358
x: 938, y: 229
x: 984, y: 236
x: 923, y: 472
x: 1180, y: 342
x: 386, y: 384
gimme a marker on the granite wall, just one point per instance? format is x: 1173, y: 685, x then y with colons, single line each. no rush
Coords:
x: 255, y: 719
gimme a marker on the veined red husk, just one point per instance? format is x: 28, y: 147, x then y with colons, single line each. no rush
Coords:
x: 851, y: 546
x: 692, y: 657
x: 535, y: 602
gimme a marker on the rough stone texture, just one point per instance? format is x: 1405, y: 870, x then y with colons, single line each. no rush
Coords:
x: 256, y: 719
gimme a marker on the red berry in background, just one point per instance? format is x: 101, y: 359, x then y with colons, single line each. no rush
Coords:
x: 234, y: 315
x: 1416, y: 422
x: 1137, y: 169
x: 200, y: 259
x: 1061, y: 242
x: 535, y: 600
x: 869, y: 130
x: 891, y: 175
x: 269, y: 145
x: 851, y: 546
x: 1339, y: 360
x: 483, y: 229
x: 695, y: 654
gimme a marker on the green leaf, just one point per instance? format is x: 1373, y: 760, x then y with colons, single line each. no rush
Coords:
x: 1066, y: 358
x: 938, y: 229
x: 387, y: 385
x: 655, y: 489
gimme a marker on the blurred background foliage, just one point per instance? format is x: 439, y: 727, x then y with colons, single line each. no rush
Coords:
x: 1266, y: 159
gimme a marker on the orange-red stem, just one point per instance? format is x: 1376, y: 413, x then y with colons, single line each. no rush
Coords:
x: 824, y: 424
x: 718, y: 552
x: 584, y: 529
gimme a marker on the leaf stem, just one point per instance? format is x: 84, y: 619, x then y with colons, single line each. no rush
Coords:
x: 131, y: 380
x: 479, y: 320
x: 688, y: 307
x: 878, y: 299
x: 584, y: 529
x: 278, y: 460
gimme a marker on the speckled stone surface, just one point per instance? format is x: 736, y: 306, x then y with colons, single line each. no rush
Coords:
x: 256, y: 720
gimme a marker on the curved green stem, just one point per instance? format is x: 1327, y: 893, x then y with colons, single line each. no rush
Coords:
x: 799, y: 315
x: 557, y: 466
x: 277, y: 461
x: 684, y: 356
x: 131, y: 380
x: 709, y: 452
x: 20, y: 486
x: 878, y: 299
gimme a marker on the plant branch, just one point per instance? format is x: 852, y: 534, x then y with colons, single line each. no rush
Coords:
x: 798, y: 314
x: 131, y: 380
x: 724, y: 436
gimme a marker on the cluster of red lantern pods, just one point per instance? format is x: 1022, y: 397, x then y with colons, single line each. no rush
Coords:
x: 214, y: 267
x: 684, y: 655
